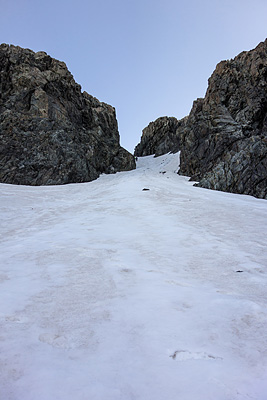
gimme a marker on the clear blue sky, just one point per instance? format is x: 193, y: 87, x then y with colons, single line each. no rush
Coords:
x: 146, y: 58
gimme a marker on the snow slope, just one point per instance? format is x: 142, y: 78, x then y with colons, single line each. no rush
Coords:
x: 110, y: 292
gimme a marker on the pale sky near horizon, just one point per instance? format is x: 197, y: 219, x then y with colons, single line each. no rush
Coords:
x: 146, y: 58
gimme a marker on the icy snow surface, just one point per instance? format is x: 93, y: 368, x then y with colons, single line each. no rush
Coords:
x: 111, y: 292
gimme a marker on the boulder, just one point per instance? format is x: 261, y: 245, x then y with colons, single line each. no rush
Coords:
x: 50, y: 131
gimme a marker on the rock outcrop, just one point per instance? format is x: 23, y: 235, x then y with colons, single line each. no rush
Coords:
x: 224, y: 145
x: 50, y: 132
x: 223, y: 141
x: 160, y: 137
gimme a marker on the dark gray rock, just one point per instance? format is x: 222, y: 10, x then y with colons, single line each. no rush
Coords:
x: 224, y: 145
x: 159, y: 137
x: 223, y: 141
x: 51, y: 132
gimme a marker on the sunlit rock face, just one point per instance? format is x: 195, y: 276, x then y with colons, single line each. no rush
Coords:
x: 224, y: 145
x: 50, y: 132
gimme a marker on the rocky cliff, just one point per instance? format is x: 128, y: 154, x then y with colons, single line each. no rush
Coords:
x: 223, y: 141
x: 160, y: 137
x: 224, y: 145
x: 51, y: 132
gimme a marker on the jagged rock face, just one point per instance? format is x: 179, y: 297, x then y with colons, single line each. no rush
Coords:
x: 224, y: 144
x: 51, y: 132
x: 160, y: 137
x: 223, y: 141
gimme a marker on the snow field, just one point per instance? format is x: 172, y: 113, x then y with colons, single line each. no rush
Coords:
x: 110, y: 292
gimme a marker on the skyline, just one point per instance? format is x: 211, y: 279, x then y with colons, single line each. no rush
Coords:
x: 147, y: 59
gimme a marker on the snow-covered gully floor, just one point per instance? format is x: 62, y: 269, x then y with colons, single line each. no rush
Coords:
x: 110, y: 292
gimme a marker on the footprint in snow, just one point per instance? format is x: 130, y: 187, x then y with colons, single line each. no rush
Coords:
x: 184, y: 355
x: 54, y: 340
